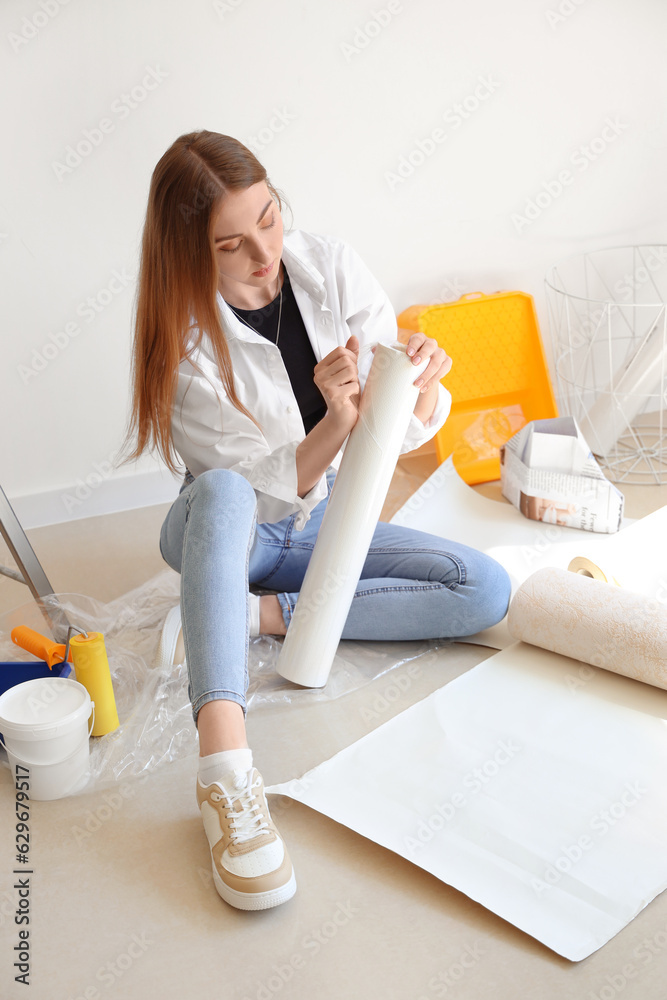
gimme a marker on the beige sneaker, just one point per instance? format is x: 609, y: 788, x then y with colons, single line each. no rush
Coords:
x: 251, y: 866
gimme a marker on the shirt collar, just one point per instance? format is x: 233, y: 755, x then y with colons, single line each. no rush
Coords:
x: 301, y: 270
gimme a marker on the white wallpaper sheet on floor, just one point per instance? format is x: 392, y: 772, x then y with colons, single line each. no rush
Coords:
x: 534, y: 783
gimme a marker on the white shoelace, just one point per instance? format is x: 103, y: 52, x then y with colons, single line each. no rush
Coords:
x: 249, y: 822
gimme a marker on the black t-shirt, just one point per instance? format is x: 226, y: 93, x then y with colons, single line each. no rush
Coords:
x: 295, y: 347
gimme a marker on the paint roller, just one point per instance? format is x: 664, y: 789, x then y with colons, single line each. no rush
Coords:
x: 349, y: 521
x: 87, y: 652
x: 91, y: 665
x: 39, y: 645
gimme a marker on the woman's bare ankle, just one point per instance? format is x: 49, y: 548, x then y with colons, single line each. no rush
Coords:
x: 221, y: 726
x: 271, y: 616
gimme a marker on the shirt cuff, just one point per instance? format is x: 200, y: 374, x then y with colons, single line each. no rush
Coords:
x: 274, y: 479
x: 418, y: 433
x: 309, y: 502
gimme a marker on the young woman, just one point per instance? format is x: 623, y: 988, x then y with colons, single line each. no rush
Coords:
x: 251, y: 349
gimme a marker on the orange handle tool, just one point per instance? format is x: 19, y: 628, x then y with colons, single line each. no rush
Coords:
x: 39, y: 645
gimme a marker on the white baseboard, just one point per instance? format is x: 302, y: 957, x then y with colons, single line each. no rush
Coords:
x: 97, y: 494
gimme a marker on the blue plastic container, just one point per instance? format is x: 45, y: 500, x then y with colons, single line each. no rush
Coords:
x: 15, y: 672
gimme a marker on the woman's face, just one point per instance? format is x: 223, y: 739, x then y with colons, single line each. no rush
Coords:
x: 248, y: 242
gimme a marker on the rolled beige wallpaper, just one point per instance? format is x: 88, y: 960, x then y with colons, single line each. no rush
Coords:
x: 592, y: 621
x: 349, y: 521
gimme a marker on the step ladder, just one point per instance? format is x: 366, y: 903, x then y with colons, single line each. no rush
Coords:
x: 30, y: 570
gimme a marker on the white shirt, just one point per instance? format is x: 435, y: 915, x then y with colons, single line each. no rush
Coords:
x: 337, y: 296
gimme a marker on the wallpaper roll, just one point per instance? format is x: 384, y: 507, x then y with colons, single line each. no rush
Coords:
x: 592, y: 621
x: 641, y: 376
x: 361, y: 485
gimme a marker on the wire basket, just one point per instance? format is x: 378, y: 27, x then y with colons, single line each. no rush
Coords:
x: 608, y: 321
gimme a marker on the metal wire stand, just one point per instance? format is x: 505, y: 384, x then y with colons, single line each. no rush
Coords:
x: 608, y: 322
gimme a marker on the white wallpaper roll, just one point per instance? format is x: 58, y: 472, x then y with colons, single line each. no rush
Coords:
x: 641, y: 376
x: 361, y: 485
x: 592, y: 621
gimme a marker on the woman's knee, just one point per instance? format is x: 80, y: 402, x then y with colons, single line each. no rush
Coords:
x: 222, y: 492
x: 217, y: 502
x: 171, y: 534
x: 493, y: 589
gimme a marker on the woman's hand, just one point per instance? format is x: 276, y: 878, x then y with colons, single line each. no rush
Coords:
x: 420, y: 347
x: 337, y: 378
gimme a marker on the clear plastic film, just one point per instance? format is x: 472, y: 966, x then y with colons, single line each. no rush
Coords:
x: 156, y: 724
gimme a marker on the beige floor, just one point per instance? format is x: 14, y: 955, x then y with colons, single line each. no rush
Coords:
x: 122, y: 903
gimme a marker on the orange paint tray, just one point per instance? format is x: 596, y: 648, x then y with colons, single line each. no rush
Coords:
x: 499, y: 379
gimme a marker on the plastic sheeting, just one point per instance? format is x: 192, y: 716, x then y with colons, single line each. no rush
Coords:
x: 153, y: 705
x: 156, y: 724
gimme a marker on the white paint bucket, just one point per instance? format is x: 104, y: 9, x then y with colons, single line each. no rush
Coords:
x: 44, y: 723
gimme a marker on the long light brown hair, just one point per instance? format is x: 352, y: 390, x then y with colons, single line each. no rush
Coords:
x: 178, y: 279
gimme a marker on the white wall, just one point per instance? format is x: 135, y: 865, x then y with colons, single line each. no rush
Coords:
x: 352, y: 97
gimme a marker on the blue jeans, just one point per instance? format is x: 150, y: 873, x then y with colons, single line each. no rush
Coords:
x: 413, y: 585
